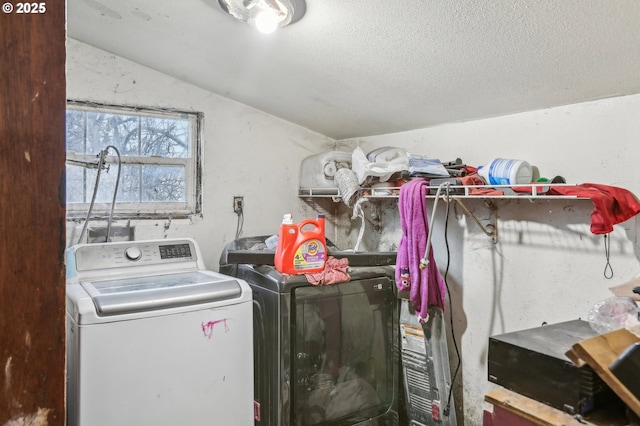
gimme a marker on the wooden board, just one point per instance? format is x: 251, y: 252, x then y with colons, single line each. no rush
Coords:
x: 600, y: 351
x: 626, y: 289
x: 538, y: 413
x: 32, y: 213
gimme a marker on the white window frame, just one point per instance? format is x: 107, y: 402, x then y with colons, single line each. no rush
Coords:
x: 144, y: 210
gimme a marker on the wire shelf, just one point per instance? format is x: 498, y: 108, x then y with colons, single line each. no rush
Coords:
x: 536, y: 191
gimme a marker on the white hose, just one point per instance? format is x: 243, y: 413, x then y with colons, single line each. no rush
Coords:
x: 358, y: 212
x: 424, y: 262
x: 102, y: 155
x: 101, y: 162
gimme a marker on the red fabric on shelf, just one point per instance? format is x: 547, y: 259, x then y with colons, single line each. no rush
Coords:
x: 472, y: 180
x: 612, y: 205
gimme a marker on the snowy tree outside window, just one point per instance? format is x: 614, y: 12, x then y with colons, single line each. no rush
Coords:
x: 159, y: 160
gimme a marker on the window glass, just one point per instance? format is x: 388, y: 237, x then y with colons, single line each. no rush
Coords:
x: 75, y: 131
x: 163, y: 183
x: 119, y: 130
x: 159, y: 170
x: 165, y: 137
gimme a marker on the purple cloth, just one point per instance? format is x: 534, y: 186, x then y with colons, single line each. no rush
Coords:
x: 426, y: 286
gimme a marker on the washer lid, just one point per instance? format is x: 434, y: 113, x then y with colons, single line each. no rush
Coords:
x: 148, y: 293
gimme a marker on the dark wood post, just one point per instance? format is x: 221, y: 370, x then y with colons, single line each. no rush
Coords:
x: 32, y: 213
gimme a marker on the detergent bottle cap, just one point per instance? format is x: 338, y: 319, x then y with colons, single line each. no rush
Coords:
x: 287, y: 219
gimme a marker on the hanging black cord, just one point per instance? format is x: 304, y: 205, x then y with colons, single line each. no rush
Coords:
x: 608, y: 269
x: 453, y: 336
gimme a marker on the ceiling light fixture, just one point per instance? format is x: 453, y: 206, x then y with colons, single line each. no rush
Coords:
x: 265, y: 15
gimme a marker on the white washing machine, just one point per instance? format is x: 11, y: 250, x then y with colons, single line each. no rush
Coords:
x: 153, y: 338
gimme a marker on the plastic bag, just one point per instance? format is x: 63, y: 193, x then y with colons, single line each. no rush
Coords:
x: 614, y: 313
x: 386, y: 164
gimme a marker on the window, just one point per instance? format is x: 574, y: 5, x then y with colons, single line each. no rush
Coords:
x: 159, y: 161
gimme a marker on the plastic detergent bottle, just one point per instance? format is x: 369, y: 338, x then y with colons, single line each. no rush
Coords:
x: 302, y: 247
x: 502, y: 171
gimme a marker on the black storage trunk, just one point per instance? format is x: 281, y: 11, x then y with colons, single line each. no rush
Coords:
x: 533, y: 363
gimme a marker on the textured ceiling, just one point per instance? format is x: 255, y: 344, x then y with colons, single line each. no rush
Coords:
x: 354, y: 68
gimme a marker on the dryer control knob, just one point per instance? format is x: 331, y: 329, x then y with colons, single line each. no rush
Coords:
x: 133, y: 253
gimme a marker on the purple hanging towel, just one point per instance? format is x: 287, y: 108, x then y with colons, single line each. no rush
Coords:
x: 426, y: 286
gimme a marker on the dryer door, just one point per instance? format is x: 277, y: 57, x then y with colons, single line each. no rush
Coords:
x: 344, y: 357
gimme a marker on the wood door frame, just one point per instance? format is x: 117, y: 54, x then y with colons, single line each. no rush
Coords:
x: 32, y: 214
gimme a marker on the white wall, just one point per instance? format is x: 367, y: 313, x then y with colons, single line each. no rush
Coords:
x: 547, y: 265
x: 246, y: 152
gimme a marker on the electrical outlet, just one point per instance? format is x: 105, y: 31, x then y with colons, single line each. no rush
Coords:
x: 238, y: 204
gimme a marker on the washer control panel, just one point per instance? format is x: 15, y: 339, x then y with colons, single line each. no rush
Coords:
x: 133, y: 253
